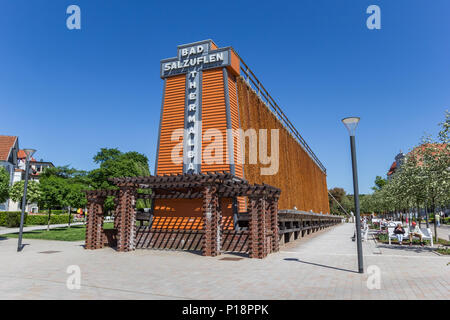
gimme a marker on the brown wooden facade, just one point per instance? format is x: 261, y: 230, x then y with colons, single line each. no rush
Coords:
x: 303, y: 182
x: 228, y: 101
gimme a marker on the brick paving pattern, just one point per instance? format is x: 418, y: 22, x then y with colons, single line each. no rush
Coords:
x: 321, y: 266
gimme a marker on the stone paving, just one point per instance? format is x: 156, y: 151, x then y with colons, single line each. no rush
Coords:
x: 320, y: 267
x: 443, y: 231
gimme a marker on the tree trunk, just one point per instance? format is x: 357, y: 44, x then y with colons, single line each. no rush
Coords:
x: 435, y: 222
x: 418, y: 215
x: 48, y: 222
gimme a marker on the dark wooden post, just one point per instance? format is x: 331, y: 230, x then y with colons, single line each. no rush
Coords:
x: 262, y: 228
x: 273, y: 210
x: 211, y: 222
x: 258, y: 246
x: 125, y: 219
x: 253, y: 227
x: 94, y: 223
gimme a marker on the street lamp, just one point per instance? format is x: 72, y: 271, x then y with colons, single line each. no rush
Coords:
x: 29, y: 153
x: 351, y: 123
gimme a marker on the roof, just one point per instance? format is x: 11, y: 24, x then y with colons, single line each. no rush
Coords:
x: 392, y: 168
x: 6, y: 144
x: 22, y: 155
x: 189, y: 186
x: 416, y: 152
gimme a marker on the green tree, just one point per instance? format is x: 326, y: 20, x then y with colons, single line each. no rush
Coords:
x: 77, y: 176
x: 379, y: 183
x: 64, y: 187
x: 344, y: 203
x: 424, y: 177
x: 116, y: 164
x: 76, y: 182
x: 33, y: 192
x: 443, y: 133
x: 53, y: 194
x: 4, y: 185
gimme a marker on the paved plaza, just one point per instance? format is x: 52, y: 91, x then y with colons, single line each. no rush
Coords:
x: 320, y: 267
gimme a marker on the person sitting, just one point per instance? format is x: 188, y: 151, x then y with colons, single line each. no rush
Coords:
x: 399, y: 232
x: 415, y: 232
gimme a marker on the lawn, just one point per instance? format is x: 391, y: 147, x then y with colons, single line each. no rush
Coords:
x: 74, y: 233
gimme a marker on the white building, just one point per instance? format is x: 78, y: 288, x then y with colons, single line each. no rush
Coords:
x: 13, y: 160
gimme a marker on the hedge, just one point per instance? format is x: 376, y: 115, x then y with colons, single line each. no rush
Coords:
x: 54, y: 211
x: 11, y: 219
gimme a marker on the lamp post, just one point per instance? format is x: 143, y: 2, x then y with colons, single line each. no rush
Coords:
x: 29, y: 153
x: 351, y: 123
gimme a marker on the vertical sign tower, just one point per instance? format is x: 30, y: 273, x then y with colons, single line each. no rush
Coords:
x: 199, y: 108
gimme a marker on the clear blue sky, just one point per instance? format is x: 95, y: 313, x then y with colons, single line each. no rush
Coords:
x: 69, y: 93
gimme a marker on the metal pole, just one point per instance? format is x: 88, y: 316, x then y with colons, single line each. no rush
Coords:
x: 70, y: 214
x: 356, y: 196
x: 419, y: 215
x: 24, y: 201
x: 435, y: 227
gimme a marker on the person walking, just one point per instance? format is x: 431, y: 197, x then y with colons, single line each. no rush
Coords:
x: 437, y: 218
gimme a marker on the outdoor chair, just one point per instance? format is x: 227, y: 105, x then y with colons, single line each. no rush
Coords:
x: 393, y: 223
x: 365, y: 232
x: 427, y: 235
x: 392, y: 235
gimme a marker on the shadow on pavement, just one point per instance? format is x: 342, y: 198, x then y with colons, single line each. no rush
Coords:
x: 319, y: 265
x: 407, y: 248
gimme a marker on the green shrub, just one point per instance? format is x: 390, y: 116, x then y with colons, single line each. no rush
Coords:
x: 61, y: 218
x: 445, y: 251
x: 43, y: 219
x: 11, y: 219
x: 37, y: 219
x: 45, y: 211
x: 383, y: 237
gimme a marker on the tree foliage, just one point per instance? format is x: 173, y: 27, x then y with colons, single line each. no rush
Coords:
x: 63, y: 186
x: 33, y: 191
x: 116, y: 164
x: 340, y: 196
x: 379, y: 183
x: 422, y: 180
x: 4, y: 185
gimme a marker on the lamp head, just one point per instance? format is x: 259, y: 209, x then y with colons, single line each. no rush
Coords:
x: 29, y: 153
x: 351, y: 123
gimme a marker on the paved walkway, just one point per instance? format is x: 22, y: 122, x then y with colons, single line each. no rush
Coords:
x: 41, y: 227
x: 443, y: 231
x: 322, y: 267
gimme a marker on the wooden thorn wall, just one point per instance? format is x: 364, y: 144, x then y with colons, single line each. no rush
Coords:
x: 302, y: 182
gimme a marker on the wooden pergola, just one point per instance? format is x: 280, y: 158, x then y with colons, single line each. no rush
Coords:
x: 210, y: 187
